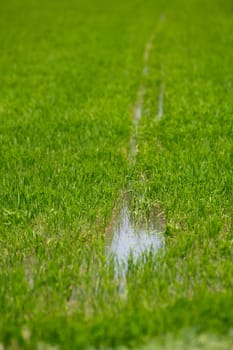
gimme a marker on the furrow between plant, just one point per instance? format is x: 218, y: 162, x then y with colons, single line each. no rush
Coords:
x: 128, y: 237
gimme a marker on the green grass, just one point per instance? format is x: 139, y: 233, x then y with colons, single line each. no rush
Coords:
x: 70, y: 71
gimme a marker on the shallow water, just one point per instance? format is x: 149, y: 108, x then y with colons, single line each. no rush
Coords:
x: 161, y: 94
x: 127, y: 236
x: 131, y: 238
x: 160, y: 101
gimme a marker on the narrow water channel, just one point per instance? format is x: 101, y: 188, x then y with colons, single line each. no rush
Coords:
x: 130, y: 237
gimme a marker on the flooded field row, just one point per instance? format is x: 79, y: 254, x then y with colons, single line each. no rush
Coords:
x: 127, y: 236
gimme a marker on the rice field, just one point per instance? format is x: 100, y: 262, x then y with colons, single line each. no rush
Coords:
x: 116, y: 119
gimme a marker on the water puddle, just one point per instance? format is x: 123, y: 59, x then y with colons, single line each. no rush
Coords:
x: 130, y: 237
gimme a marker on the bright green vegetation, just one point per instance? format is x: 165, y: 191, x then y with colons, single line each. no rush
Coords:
x: 69, y: 74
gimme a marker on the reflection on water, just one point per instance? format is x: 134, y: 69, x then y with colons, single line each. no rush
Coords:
x: 131, y: 238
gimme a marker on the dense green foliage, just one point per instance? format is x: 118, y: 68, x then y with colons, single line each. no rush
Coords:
x: 70, y: 72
